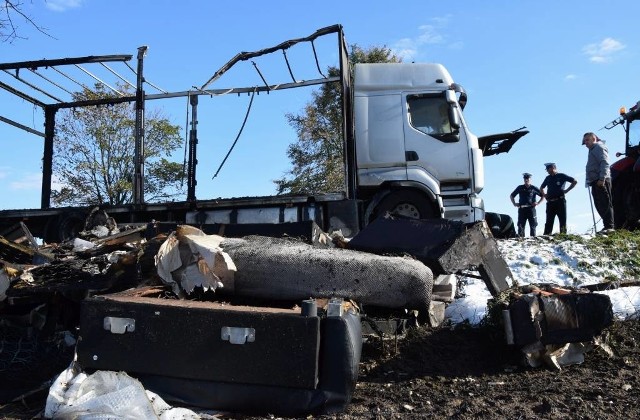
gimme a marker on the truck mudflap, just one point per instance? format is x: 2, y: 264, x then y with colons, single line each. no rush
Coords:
x: 285, y: 362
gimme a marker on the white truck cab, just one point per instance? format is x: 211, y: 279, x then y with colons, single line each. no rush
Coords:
x: 415, y: 154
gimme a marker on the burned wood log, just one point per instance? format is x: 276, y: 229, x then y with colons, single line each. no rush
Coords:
x: 16, y: 253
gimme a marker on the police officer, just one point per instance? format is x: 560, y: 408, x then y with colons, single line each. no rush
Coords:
x: 556, y: 203
x: 527, y: 204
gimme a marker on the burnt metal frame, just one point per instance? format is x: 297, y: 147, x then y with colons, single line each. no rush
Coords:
x: 140, y: 98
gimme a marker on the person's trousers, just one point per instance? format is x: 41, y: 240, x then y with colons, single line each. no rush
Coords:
x: 527, y: 214
x: 557, y: 207
x: 603, y: 203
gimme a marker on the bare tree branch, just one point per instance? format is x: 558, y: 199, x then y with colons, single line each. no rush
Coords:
x: 11, y: 11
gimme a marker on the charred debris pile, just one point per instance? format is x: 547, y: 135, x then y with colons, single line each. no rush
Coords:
x: 100, y: 294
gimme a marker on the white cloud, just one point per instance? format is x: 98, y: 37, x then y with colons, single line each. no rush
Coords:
x: 62, y: 5
x: 31, y: 181
x: 603, y: 51
x: 570, y: 77
x: 430, y: 34
x: 405, y: 48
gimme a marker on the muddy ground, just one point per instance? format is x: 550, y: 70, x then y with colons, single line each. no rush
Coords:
x: 470, y: 373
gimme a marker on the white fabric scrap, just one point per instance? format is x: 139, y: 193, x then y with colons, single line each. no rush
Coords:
x: 114, y: 257
x: 556, y: 356
x: 188, y: 259
x: 101, y: 231
x: 82, y: 245
x: 107, y: 394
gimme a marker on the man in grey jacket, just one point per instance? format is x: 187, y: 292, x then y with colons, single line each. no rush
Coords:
x: 598, y: 177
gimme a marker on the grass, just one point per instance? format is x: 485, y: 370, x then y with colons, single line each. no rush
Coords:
x: 620, y: 248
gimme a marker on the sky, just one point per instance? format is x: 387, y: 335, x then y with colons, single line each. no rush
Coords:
x: 559, y: 68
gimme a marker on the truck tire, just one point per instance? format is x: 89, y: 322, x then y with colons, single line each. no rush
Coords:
x: 406, y: 203
x: 620, y: 189
x: 66, y: 226
x: 501, y: 225
x: 631, y: 207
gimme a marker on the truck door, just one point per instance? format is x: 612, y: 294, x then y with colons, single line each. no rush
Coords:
x: 433, y: 143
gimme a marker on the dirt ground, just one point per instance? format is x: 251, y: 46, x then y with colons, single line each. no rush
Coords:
x: 470, y: 373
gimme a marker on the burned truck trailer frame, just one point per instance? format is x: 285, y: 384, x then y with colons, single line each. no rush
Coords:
x: 394, y: 160
x: 60, y: 223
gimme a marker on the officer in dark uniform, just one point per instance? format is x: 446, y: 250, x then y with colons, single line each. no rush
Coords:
x: 526, y: 204
x: 556, y: 203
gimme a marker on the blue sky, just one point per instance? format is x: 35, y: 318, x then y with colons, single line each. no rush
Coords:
x: 560, y: 68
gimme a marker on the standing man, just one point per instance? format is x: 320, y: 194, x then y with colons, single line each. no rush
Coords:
x: 526, y: 204
x: 598, y: 177
x: 556, y: 203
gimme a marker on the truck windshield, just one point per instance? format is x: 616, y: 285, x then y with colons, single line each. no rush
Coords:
x: 430, y: 115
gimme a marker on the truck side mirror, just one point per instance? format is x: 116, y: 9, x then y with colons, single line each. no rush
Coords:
x: 462, y: 94
x: 462, y: 100
x: 454, y: 118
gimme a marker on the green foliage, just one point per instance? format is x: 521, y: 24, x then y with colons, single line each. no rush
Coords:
x: 317, y: 156
x: 94, y: 154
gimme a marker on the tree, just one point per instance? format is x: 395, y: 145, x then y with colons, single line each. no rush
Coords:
x: 317, y: 155
x: 94, y: 154
x: 10, y: 11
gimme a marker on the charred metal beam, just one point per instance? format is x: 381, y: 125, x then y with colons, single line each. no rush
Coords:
x: 21, y: 126
x: 193, y: 144
x: 64, y: 61
x: 118, y: 75
x: 47, y: 156
x: 22, y: 95
x: 34, y: 87
x: 220, y: 92
x: 116, y: 91
x: 210, y: 92
x: 94, y: 102
x: 82, y: 85
x: 243, y: 56
x: 51, y: 81
x: 138, y: 158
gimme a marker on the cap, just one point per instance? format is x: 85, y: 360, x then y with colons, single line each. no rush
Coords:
x: 549, y: 165
x: 526, y: 175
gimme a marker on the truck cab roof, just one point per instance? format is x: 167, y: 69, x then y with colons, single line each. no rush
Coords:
x: 405, y: 76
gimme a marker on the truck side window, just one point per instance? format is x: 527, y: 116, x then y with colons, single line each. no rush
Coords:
x: 634, y: 133
x: 430, y: 115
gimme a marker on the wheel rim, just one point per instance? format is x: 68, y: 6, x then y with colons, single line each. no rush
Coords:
x: 407, y: 210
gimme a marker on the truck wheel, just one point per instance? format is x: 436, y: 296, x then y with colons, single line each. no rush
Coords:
x: 631, y: 207
x: 409, y: 204
x: 501, y: 225
x: 66, y: 226
x: 620, y: 189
